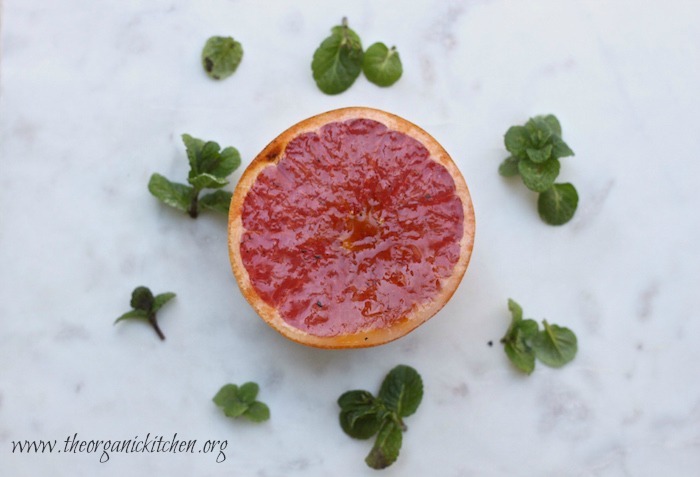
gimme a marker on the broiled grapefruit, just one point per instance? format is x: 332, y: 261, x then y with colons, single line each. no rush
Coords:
x: 350, y: 229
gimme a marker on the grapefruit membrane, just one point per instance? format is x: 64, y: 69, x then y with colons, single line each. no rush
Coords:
x: 350, y: 229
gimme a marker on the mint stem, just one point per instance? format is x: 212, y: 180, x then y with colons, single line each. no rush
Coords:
x: 154, y: 324
x: 194, y: 204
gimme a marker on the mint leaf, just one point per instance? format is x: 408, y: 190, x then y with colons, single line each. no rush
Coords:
x: 559, y: 148
x: 362, y: 422
x: 238, y: 401
x: 145, y: 306
x: 257, y: 412
x: 218, y: 201
x: 206, y: 181
x: 555, y: 345
x: 142, y: 299
x: 386, y: 447
x: 229, y: 161
x: 337, y: 62
x: 382, y: 65
x: 402, y: 390
x: 517, y: 141
x: 193, y: 147
x: 248, y: 392
x: 516, y: 310
x: 538, y: 131
x: 517, y: 345
x: 221, y: 56
x: 539, y: 155
x: 133, y: 314
x: 509, y: 167
x: 161, y: 300
x: 557, y: 205
x: 538, y: 177
x: 552, y: 122
x: 170, y: 193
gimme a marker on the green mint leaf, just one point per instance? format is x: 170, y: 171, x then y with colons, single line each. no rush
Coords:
x: 337, y: 62
x: 221, y: 56
x: 352, y: 399
x: 557, y: 205
x: 555, y: 345
x: 206, y: 181
x: 218, y: 201
x: 248, y: 392
x: 509, y: 167
x: 539, y: 155
x: 402, y: 390
x: 226, y: 395
x: 538, y: 177
x: 552, y: 122
x: 161, y: 299
x: 517, y: 345
x: 170, y: 193
x: 538, y: 131
x: 517, y: 140
x: 142, y: 299
x: 133, y: 315
x: 257, y: 412
x: 382, y: 65
x: 361, y: 422
x: 229, y: 161
x: 208, y: 158
x: 559, y: 148
x: 515, y: 310
x: 194, y: 147
x: 386, y: 447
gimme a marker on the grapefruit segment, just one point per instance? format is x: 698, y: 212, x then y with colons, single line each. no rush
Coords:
x: 350, y: 229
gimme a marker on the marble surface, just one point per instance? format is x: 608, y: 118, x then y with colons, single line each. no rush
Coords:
x: 93, y: 99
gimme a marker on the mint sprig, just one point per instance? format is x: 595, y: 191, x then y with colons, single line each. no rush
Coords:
x: 221, y: 56
x: 362, y: 415
x: 237, y: 401
x: 209, y: 167
x: 145, y: 306
x: 339, y: 60
x: 536, y: 149
x: 554, y: 346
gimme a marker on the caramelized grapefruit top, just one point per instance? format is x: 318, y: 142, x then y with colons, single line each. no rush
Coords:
x: 350, y: 229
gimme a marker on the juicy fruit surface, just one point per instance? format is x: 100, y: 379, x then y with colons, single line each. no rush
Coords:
x: 353, y: 227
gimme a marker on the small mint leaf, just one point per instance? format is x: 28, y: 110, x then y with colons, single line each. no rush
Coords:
x: 142, y: 299
x: 559, y: 148
x: 382, y: 65
x: 552, y: 122
x: 509, y: 167
x: 386, y: 447
x: 539, y: 155
x: 539, y: 132
x: 161, y: 299
x: 517, y: 344
x: 193, y: 146
x: 221, y: 57
x: 515, y: 310
x: 229, y: 161
x: 133, y: 315
x: 248, y: 392
x: 337, y: 62
x: 361, y: 422
x: 170, y: 193
x: 539, y: 177
x: 226, y: 395
x: 206, y: 181
x: 257, y: 412
x: 555, y: 345
x: 517, y: 141
x: 218, y: 201
x: 402, y: 390
x: 558, y: 204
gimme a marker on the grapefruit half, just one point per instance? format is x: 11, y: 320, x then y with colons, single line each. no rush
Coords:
x: 350, y: 229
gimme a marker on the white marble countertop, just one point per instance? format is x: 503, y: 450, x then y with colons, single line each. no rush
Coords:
x: 93, y: 99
